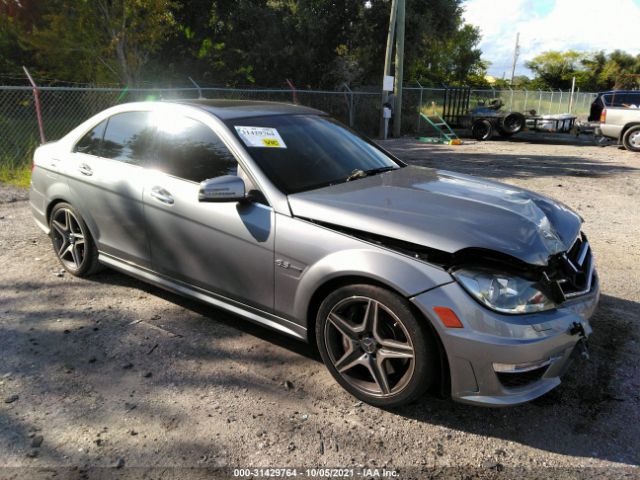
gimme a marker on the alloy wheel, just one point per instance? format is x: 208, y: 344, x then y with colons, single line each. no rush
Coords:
x: 68, y: 238
x: 369, y: 346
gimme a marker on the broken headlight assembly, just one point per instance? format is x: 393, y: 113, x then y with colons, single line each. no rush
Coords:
x: 503, y: 292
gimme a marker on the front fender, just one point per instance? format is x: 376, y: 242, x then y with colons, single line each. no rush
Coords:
x: 400, y: 273
x: 308, y: 255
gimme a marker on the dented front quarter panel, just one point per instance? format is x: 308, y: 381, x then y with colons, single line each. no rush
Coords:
x: 316, y: 255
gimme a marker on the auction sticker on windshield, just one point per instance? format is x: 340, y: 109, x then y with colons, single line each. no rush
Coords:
x: 263, y: 137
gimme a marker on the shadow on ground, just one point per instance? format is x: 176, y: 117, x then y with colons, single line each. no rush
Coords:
x: 579, y: 407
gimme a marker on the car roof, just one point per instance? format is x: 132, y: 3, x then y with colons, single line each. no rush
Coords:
x: 616, y: 92
x: 230, y: 109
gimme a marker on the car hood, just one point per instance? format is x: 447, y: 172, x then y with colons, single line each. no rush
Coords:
x: 445, y: 211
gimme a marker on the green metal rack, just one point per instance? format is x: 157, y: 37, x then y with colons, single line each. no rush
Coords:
x: 445, y: 133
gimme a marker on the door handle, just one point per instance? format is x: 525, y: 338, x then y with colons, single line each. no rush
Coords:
x: 85, y: 169
x: 162, y: 195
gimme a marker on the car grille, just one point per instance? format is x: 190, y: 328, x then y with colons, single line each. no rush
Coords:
x: 578, y: 271
x: 521, y: 379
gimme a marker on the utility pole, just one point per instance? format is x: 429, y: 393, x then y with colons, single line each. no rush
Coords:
x: 516, y: 53
x: 397, y: 111
x: 387, y: 61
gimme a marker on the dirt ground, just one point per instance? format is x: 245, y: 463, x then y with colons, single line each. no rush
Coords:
x: 109, y: 372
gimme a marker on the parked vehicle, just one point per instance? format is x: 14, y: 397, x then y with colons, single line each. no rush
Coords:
x: 488, y: 118
x: 619, y: 116
x: 404, y: 277
x: 612, y: 97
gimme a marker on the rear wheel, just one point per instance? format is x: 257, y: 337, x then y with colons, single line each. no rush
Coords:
x: 481, y: 130
x: 512, y: 123
x: 631, y: 139
x: 72, y: 241
x: 374, y: 346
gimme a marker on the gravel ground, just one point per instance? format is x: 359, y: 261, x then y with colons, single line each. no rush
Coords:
x: 111, y: 377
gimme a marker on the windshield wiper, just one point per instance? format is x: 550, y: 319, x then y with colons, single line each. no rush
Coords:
x: 373, y: 171
x: 358, y: 173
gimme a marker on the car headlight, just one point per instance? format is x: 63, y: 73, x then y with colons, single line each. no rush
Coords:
x: 502, y: 292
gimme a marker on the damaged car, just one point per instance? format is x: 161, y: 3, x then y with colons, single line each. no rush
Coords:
x: 405, y: 278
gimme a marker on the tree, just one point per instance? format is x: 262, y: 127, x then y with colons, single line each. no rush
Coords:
x: 107, y: 39
x: 555, y: 69
x: 595, y: 71
x: 315, y: 43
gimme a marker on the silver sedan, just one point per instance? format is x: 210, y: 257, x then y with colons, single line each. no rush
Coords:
x: 405, y: 278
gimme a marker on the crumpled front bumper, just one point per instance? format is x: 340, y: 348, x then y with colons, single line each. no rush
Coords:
x: 489, y: 338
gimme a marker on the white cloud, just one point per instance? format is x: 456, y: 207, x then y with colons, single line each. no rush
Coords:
x: 583, y: 25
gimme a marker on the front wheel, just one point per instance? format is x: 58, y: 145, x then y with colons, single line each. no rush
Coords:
x: 72, y: 241
x: 374, y: 345
x: 631, y: 139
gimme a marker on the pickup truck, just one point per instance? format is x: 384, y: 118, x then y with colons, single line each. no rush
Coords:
x: 620, y: 117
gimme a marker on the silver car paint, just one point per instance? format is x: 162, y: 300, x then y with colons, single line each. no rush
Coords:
x: 317, y: 255
x: 446, y: 211
x: 223, y: 247
x: 265, y: 264
x: 110, y: 194
x: 490, y: 337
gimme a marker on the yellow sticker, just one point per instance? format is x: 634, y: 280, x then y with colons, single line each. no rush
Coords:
x: 260, y: 137
x: 270, y: 142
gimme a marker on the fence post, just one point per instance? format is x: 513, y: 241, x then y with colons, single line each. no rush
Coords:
x: 293, y: 91
x: 539, y: 102
x: 526, y: 97
x: 197, y: 86
x: 349, y: 92
x: 419, y: 107
x: 560, y: 102
x: 36, y: 98
x: 511, y: 98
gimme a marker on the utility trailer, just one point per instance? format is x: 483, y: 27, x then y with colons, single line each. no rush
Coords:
x: 486, y: 119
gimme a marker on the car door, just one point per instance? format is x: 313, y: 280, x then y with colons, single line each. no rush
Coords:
x: 106, y: 181
x: 225, y: 248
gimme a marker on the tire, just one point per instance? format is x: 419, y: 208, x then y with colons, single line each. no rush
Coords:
x: 512, y: 123
x: 374, y: 346
x: 482, y: 130
x: 72, y: 242
x: 631, y: 139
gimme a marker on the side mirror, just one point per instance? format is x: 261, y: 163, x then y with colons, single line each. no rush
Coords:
x: 227, y: 188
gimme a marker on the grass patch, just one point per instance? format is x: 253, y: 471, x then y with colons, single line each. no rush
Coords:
x: 20, y: 176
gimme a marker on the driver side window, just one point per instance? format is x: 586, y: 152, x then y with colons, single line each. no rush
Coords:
x: 188, y: 149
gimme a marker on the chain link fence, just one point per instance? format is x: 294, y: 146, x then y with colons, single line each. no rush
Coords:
x: 63, y: 108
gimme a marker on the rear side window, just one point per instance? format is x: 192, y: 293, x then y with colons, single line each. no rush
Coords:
x: 632, y: 99
x: 128, y: 137
x: 622, y: 99
x: 90, y: 143
x: 188, y: 149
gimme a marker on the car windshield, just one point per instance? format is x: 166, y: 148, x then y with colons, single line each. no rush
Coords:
x: 304, y: 152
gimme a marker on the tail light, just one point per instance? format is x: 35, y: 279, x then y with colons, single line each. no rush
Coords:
x: 603, y: 116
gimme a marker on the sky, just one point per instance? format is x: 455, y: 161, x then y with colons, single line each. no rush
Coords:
x: 583, y: 25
